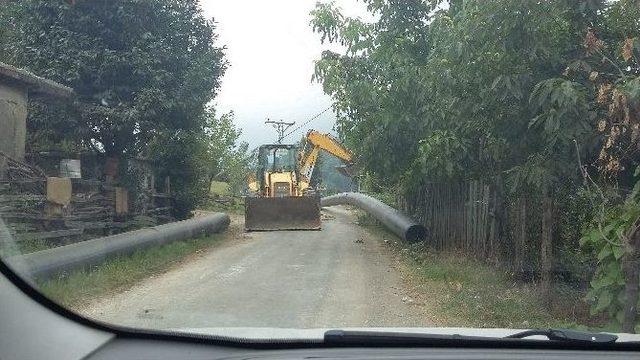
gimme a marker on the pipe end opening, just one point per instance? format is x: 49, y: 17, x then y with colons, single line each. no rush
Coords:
x: 416, y: 233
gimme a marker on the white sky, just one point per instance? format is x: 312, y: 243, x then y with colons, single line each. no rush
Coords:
x: 271, y: 48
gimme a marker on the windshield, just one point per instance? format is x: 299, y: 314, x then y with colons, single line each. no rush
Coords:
x: 199, y: 165
x: 278, y: 159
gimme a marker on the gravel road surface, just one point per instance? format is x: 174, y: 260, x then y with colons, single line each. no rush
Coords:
x: 341, y: 276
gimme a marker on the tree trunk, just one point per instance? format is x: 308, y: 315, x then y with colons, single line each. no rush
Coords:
x: 631, y: 269
x: 546, y: 247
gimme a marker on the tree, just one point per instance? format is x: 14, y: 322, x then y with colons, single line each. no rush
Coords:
x: 228, y: 158
x: 138, y: 67
x: 611, y: 71
x: 223, y: 136
x: 237, y: 168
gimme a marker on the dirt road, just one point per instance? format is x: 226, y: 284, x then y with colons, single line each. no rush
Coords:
x: 339, y: 277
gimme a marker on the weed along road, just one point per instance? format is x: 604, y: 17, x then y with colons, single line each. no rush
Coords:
x: 343, y: 275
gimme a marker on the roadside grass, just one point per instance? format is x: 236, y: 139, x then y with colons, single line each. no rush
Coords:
x: 235, y: 205
x: 79, y: 287
x: 12, y: 247
x: 475, y: 294
x: 465, y: 292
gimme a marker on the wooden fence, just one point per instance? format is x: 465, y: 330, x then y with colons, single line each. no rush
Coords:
x: 475, y: 217
x: 458, y: 215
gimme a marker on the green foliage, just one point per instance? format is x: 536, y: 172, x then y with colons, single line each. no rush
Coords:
x: 437, y: 91
x: 611, y: 67
x: 606, y: 240
x: 439, y: 156
x: 227, y: 158
x: 219, y: 188
x: 562, y: 111
x: 183, y: 157
x: 237, y: 168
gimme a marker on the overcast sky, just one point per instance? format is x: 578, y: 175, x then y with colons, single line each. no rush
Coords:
x: 271, y: 49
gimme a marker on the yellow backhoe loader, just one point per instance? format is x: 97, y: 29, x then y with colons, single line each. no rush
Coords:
x: 281, y: 197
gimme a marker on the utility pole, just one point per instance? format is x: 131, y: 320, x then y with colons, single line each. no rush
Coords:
x: 281, y: 127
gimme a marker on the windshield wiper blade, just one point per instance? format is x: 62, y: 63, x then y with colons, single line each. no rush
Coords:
x: 351, y: 338
x: 567, y: 336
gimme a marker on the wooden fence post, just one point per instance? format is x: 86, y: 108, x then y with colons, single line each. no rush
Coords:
x: 546, y: 247
x: 521, y: 236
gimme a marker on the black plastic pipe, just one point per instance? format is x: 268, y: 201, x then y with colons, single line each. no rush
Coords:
x: 47, y: 263
x: 397, y: 222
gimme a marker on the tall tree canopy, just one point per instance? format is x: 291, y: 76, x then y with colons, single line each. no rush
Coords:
x: 435, y: 90
x: 139, y: 67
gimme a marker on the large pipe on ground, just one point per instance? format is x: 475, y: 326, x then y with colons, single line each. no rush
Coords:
x: 47, y: 263
x: 394, y: 220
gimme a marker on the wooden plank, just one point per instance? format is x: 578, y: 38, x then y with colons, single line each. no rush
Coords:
x: 159, y: 209
x: 521, y: 237
x: 24, y: 197
x: 18, y: 182
x: 472, y: 214
x: 485, y: 219
x: 59, y: 190
x: 25, y: 216
x: 467, y: 230
x: 48, y: 234
x: 122, y: 201
x: 93, y: 225
x: 492, y: 221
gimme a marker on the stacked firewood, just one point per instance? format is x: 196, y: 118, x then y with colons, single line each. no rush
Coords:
x: 22, y: 194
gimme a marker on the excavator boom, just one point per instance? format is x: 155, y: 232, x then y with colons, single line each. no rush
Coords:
x: 326, y: 142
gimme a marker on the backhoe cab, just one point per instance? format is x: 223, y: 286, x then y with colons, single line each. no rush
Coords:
x: 282, y: 199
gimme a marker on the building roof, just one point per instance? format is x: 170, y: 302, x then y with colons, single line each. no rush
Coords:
x: 35, y: 84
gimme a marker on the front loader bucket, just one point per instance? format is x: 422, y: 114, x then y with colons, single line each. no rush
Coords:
x: 282, y: 213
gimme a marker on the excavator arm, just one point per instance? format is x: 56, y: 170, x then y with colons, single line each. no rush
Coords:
x: 319, y: 141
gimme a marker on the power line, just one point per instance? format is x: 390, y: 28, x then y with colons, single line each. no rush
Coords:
x: 306, y: 122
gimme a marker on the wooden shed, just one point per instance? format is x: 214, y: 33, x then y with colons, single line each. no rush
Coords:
x: 16, y: 86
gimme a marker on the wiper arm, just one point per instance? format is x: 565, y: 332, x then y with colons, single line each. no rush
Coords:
x: 567, y: 336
